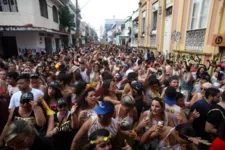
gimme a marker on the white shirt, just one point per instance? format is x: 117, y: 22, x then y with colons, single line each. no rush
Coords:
x: 128, y: 71
x: 12, y: 90
x: 15, y: 99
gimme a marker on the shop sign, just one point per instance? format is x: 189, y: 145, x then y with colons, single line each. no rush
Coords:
x: 219, y: 40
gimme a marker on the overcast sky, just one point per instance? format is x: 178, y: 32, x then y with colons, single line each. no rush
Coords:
x: 96, y: 11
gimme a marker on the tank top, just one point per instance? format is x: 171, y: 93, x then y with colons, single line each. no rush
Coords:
x: 165, y: 145
x: 186, y: 86
x: 95, y: 125
x: 154, y: 143
x: 172, y: 111
x: 53, y: 107
x: 17, y: 116
x: 66, y: 126
x: 125, y: 123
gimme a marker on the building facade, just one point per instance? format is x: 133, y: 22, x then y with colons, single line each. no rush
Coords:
x: 184, y: 27
x: 30, y: 25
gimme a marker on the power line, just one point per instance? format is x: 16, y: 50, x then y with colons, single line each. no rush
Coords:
x: 85, y: 4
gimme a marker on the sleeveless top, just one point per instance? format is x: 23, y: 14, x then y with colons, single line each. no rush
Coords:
x: 150, y: 95
x: 125, y: 123
x: 95, y: 125
x: 173, y: 111
x: 66, y: 126
x: 184, y: 85
x: 53, y: 107
x: 154, y: 143
x: 165, y: 145
x: 17, y: 116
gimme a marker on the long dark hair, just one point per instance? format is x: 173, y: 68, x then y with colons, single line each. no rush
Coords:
x: 94, y: 136
x: 81, y: 103
x: 105, y: 87
x: 58, y: 94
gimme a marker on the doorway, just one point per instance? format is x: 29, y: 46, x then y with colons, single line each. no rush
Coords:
x: 57, y: 44
x: 8, y: 46
x: 48, y: 45
x: 167, y: 31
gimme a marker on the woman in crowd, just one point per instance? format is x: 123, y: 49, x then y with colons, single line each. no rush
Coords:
x: 28, y: 111
x: 95, y: 73
x: 104, y: 120
x: 108, y: 92
x: 152, y: 90
x: 85, y: 105
x: 61, y: 124
x: 151, y: 118
x: 171, y: 138
x: 52, y: 93
x: 21, y: 135
x: 186, y: 82
x: 126, y: 116
x: 102, y: 140
x: 138, y: 94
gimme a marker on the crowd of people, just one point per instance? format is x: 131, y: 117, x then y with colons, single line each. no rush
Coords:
x: 106, y: 97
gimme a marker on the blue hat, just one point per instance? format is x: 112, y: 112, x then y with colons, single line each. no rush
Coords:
x: 127, y: 66
x: 170, y: 95
x: 104, y: 108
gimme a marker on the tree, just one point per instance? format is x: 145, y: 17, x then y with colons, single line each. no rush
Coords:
x: 66, y: 19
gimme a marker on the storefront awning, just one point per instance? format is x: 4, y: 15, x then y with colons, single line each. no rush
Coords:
x: 31, y: 28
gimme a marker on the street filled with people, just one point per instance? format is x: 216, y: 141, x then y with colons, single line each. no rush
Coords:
x: 108, y: 97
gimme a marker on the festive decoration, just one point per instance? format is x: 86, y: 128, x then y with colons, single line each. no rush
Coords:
x: 104, y: 139
x: 92, y: 85
x: 46, y: 107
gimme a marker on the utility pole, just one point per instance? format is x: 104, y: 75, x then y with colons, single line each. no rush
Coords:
x: 77, y: 23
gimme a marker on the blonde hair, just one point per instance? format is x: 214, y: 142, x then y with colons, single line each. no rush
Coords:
x: 128, y: 100
x: 207, y: 85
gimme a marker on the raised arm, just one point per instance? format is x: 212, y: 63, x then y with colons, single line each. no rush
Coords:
x: 83, y: 130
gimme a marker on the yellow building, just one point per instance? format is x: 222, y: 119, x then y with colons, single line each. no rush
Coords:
x: 185, y: 27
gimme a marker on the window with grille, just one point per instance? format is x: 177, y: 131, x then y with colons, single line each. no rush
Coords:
x: 8, y: 6
x: 55, y: 14
x: 43, y: 8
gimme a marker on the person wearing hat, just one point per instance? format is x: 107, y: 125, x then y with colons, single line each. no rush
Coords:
x: 137, y: 92
x: 60, y: 125
x: 78, y: 88
x: 23, y: 83
x: 28, y: 111
x: 175, y: 112
x: 35, y: 82
x: 104, y: 120
x: 22, y: 135
x: 51, y: 94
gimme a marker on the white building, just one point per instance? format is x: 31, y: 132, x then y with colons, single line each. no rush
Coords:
x: 30, y: 25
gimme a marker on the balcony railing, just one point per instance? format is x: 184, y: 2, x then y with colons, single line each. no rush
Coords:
x: 195, y: 39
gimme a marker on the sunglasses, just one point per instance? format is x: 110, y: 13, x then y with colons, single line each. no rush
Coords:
x: 203, y: 89
x: 23, y: 101
x: 62, y: 105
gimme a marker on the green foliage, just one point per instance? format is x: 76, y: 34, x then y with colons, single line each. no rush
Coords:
x: 66, y: 19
